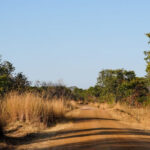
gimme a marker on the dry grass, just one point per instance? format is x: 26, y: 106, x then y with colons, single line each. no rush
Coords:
x: 137, y: 117
x: 31, y: 108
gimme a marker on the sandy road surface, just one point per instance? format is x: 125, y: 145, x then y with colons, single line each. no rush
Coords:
x: 92, y: 129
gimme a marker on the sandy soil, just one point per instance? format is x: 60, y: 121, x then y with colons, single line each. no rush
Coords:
x: 90, y: 129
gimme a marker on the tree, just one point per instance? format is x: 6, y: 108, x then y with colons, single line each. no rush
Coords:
x: 148, y: 35
x: 8, y: 81
x: 147, y: 59
x: 6, y: 76
x: 20, y: 82
x: 111, y: 81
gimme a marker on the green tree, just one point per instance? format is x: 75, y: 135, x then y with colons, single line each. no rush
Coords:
x: 6, y: 77
x: 111, y: 81
x: 8, y: 81
x: 147, y: 59
x: 20, y: 82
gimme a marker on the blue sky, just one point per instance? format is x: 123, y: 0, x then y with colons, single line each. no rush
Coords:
x: 72, y: 40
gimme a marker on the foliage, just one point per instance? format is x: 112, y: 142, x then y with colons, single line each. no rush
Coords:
x: 80, y: 93
x: 147, y: 59
x: 20, y: 82
x: 112, y: 85
x: 115, y: 82
x: 148, y: 35
x: 8, y: 81
x: 52, y: 91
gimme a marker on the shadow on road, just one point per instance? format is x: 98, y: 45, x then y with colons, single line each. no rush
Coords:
x: 70, y: 134
x: 36, y: 137
x: 128, y: 144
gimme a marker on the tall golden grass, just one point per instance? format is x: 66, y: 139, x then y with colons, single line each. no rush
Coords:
x: 31, y: 108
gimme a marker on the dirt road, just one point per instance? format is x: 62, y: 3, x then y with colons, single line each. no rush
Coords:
x: 91, y: 129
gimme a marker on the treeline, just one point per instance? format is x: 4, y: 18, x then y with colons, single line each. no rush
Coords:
x: 120, y: 85
x: 112, y: 86
x: 10, y: 82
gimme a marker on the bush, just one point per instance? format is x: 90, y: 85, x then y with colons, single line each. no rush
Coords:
x: 52, y: 91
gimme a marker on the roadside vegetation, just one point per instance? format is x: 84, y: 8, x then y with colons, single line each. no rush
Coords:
x: 47, y: 103
x: 136, y: 117
x: 31, y: 108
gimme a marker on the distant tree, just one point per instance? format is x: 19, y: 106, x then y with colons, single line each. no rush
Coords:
x: 95, y: 91
x: 111, y: 81
x: 6, y: 68
x: 79, y: 94
x: 20, y: 82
